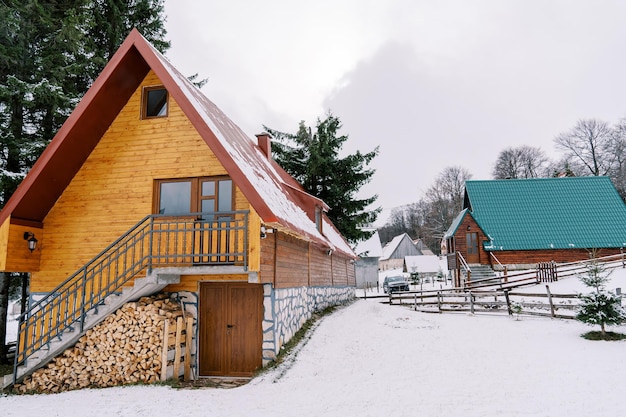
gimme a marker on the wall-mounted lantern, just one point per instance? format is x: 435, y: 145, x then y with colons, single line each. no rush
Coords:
x: 32, y: 242
x: 265, y: 231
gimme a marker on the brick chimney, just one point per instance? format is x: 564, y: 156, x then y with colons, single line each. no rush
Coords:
x: 265, y: 143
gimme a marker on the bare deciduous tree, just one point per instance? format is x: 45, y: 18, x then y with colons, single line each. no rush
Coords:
x: 589, y: 143
x: 521, y: 162
x: 445, y: 200
x: 430, y: 217
x: 618, y: 149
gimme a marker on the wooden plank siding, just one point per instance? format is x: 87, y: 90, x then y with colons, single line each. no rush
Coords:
x: 558, y: 255
x: 461, y: 243
x: 292, y: 262
x: 268, y: 258
x: 321, y: 267
x: 191, y: 282
x: 113, y: 189
x: 287, y: 261
x: 18, y: 257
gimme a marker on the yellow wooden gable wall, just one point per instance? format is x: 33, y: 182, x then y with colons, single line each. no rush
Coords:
x: 113, y: 189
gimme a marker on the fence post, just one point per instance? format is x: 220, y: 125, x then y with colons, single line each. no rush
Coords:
x: 166, y: 334
x: 415, y: 302
x: 508, y: 302
x: 150, y: 245
x: 188, y: 342
x: 439, y: 300
x: 550, y: 301
x: 471, y: 300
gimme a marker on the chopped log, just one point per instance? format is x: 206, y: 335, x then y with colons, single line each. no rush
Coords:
x: 129, y: 346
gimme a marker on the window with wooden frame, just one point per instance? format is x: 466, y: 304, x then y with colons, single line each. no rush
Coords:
x: 318, y: 218
x: 176, y: 197
x: 154, y: 102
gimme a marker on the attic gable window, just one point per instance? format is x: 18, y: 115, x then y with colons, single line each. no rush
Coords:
x: 318, y: 218
x: 154, y: 102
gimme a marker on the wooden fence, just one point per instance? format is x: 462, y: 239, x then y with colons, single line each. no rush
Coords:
x: 490, y: 302
x: 544, y: 272
x: 176, y: 353
x: 547, y: 272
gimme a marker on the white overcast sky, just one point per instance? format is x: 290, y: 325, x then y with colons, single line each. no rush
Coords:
x: 434, y: 83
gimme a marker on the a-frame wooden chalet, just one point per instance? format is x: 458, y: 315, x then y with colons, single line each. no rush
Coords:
x: 148, y: 178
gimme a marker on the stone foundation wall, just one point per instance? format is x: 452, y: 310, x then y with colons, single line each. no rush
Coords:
x: 287, y: 309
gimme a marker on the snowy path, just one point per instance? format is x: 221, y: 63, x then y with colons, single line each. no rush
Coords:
x: 370, y: 359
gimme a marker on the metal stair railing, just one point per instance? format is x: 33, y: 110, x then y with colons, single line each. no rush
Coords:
x: 156, y: 241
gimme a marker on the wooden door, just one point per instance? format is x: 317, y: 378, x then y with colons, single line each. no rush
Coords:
x: 471, y: 240
x: 230, y: 335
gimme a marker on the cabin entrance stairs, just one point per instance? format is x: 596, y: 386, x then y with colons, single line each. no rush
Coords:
x: 483, y: 273
x: 153, y: 283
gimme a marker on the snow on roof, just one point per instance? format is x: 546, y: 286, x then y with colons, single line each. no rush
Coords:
x: 390, y: 247
x: 255, y: 166
x: 272, y: 194
x: 423, y: 263
x: 370, y: 248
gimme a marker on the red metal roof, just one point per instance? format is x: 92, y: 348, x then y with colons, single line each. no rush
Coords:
x: 275, y: 196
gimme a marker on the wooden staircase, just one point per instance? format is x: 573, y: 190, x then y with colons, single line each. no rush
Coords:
x: 157, y: 246
x: 151, y: 284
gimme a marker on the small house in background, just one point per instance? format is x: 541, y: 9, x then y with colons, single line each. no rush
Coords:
x: 419, y: 244
x: 369, y: 253
x: 518, y: 223
x: 424, y: 266
x: 149, y: 187
x: 396, y: 250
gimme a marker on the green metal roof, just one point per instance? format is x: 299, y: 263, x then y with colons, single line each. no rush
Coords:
x: 548, y: 213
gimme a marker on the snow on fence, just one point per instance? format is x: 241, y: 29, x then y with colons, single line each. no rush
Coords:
x: 547, y: 272
x: 509, y: 302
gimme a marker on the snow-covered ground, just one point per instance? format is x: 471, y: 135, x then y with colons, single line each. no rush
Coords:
x: 11, y: 327
x: 370, y: 359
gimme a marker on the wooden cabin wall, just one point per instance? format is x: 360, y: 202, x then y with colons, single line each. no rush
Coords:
x: 340, y: 271
x: 558, y: 255
x: 287, y: 261
x: 321, y: 267
x: 292, y: 262
x: 18, y: 257
x: 351, y: 272
x: 461, y: 243
x: 268, y: 258
x: 190, y: 282
x: 113, y: 189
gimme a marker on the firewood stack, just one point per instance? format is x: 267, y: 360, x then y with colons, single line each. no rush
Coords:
x: 125, y: 348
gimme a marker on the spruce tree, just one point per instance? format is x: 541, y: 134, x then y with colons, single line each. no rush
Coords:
x: 50, y: 53
x: 600, y: 307
x: 312, y: 158
x: 112, y: 20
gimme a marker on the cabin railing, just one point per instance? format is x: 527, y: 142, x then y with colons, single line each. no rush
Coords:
x: 197, y: 239
x: 463, y: 264
x: 503, y: 268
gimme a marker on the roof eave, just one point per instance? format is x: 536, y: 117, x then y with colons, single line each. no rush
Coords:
x: 78, y: 136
